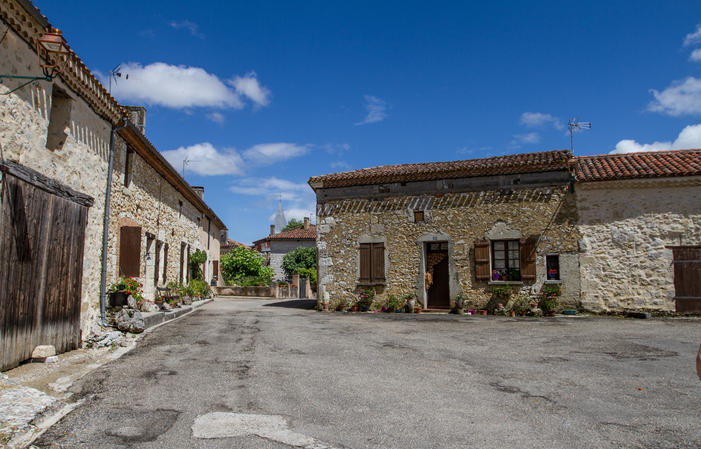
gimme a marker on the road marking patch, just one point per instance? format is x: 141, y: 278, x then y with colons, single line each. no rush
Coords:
x: 271, y: 427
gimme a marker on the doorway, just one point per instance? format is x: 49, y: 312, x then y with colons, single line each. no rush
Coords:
x: 437, y: 276
x: 687, y: 278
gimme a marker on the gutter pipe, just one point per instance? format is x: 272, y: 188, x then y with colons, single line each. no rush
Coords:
x: 105, y: 229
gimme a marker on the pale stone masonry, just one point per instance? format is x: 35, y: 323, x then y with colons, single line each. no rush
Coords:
x: 62, y: 129
x: 457, y: 210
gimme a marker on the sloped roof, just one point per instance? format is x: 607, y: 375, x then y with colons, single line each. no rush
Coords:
x: 654, y: 164
x: 233, y: 244
x: 498, y: 165
x: 296, y: 234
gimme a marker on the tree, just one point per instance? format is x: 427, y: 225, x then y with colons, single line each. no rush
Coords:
x: 293, y: 224
x: 242, y: 261
x: 298, y: 259
x: 196, y: 260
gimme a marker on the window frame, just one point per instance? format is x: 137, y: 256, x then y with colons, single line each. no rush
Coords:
x: 507, y: 259
x: 558, y: 273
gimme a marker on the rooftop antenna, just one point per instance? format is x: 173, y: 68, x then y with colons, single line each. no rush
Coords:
x: 187, y: 161
x: 573, y: 126
x: 114, y: 74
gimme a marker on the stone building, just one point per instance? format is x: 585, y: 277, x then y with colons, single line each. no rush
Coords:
x: 56, y: 137
x: 640, y: 219
x: 275, y: 246
x: 439, y: 230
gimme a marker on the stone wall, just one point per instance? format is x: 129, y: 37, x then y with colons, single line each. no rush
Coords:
x: 151, y: 202
x: 626, y: 226
x: 546, y: 213
x: 78, y: 155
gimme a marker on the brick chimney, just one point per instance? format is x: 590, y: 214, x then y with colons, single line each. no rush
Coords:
x: 137, y: 115
x: 306, y: 223
x: 199, y: 191
x: 272, y: 229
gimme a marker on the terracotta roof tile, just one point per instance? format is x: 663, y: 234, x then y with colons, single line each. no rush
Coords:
x: 498, y: 165
x: 658, y: 164
x: 296, y: 234
x: 233, y: 244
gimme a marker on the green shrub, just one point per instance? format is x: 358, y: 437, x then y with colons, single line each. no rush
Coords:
x: 298, y: 259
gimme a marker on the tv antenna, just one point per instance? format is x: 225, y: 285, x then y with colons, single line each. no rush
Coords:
x: 114, y: 74
x: 187, y: 161
x: 575, y: 125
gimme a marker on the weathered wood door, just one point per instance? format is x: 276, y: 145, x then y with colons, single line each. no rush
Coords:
x: 437, y: 266
x: 687, y: 278
x: 42, y: 234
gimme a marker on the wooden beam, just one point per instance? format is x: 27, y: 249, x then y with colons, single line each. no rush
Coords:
x: 45, y: 183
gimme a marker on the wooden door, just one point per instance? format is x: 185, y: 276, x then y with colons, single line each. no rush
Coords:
x: 687, y: 278
x: 42, y: 236
x: 437, y: 266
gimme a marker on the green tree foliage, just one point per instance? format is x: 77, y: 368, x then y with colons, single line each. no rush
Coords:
x: 242, y: 261
x: 196, y: 260
x: 293, y: 224
x: 308, y: 273
x: 297, y: 259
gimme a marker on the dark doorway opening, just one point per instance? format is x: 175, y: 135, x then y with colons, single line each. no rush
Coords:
x: 438, y: 275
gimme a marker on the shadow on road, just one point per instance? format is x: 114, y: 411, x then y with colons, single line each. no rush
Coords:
x: 295, y: 304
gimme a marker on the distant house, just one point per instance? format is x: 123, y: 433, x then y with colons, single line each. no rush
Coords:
x: 231, y: 244
x: 275, y: 246
x: 639, y: 216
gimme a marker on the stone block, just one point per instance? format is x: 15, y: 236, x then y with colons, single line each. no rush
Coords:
x: 43, y: 351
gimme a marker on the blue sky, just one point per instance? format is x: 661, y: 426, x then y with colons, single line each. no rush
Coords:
x: 267, y: 94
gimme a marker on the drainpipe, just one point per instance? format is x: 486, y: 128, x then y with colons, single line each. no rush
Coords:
x: 105, y: 229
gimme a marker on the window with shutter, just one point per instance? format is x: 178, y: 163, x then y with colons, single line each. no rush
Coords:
x: 130, y: 251
x: 372, y: 263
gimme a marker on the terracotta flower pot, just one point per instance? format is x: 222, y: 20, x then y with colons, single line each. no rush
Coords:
x: 354, y: 308
x: 512, y: 313
x: 483, y: 311
x: 418, y: 310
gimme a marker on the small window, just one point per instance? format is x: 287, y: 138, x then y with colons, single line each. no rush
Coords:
x: 128, y: 161
x: 418, y: 216
x: 553, y: 265
x: 180, y: 209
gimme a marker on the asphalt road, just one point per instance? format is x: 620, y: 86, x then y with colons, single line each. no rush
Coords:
x: 253, y: 374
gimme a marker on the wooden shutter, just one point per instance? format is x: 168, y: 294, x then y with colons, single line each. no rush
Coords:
x: 482, y: 260
x: 378, y: 262
x: 365, y: 262
x: 130, y: 251
x: 528, y: 258
x: 687, y: 279
x: 165, y: 263
x: 158, y: 262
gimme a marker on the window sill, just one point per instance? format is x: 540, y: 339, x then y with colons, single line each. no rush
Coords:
x: 554, y: 281
x: 371, y: 283
x: 505, y: 282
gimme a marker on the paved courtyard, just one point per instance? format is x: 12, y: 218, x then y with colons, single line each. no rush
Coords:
x: 255, y: 374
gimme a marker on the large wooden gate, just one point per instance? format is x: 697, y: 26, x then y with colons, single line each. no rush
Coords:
x: 687, y: 278
x: 42, y: 236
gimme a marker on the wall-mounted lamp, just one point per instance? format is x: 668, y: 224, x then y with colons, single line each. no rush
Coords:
x: 57, y: 54
x: 55, y: 47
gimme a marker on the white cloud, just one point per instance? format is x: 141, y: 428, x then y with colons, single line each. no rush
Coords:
x: 180, y: 87
x: 269, y: 153
x: 340, y: 165
x: 693, y: 38
x: 299, y: 200
x: 249, y: 86
x: 682, y: 97
x: 337, y: 149
x: 524, y: 139
x: 191, y: 27
x: 216, y: 118
x: 695, y: 55
x: 532, y: 119
x: 377, y: 110
x: 206, y: 160
x: 690, y: 137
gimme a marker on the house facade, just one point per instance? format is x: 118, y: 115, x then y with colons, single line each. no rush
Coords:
x: 56, y: 138
x: 640, y: 226
x: 439, y: 230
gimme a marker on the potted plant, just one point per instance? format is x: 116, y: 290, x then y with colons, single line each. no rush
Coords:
x: 410, y: 303
x: 520, y: 304
x: 365, y: 299
x: 496, y: 276
x: 125, y: 286
x: 392, y: 304
x: 353, y: 306
x: 342, y: 305
x: 551, y: 294
x: 418, y: 309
